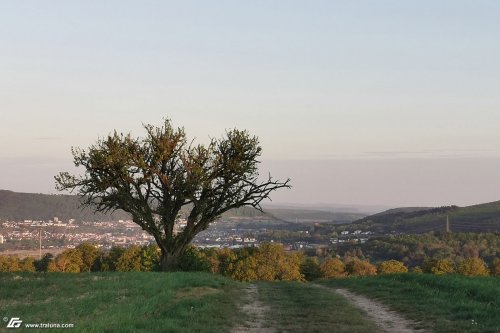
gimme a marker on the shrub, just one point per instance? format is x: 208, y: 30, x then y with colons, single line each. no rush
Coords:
x: 227, y: 260
x: 130, y: 260
x: 495, y: 267
x: 150, y: 258
x: 269, y: 262
x: 290, y: 268
x: 245, y: 269
x: 333, y: 268
x: 9, y: 264
x: 28, y: 264
x: 194, y: 260
x: 274, y: 264
x: 68, y: 261
x: 391, y: 266
x: 359, y: 267
x: 417, y: 270
x: 107, y: 262
x: 89, y: 253
x: 212, y: 257
x: 439, y: 266
x: 310, y: 268
x: 42, y: 265
x: 473, y: 267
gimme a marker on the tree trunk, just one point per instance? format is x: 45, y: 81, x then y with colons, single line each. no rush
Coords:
x: 168, y: 262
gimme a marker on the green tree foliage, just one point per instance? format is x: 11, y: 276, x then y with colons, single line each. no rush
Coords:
x: 227, y: 260
x: 239, y: 264
x: 9, y: 264
x: 439, y: 266
x: 107, y: 262
x: 89, y: 253
x: 194, y: 260
x: 274, y: 264
x: 137, y: 259
x: 42, y: 265
x: 310, y: 268
x: 150, y: 258
x: 333, y: 268
x: 245, y: 269
x: 358, y: 267
x: 268, y: 262
x: 130, y: 260
x: 495, y: 267
x: 154, y: 177
x: 473, y: 267
x: 413, y: 250
x: 27, y: 264
x: 391, y: 266
x: 69, y: 261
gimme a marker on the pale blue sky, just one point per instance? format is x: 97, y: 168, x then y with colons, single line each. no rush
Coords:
x: 347, y: 83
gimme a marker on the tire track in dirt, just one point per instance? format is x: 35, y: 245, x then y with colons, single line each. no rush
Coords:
x: 256, y: 310
x: 389, y: 321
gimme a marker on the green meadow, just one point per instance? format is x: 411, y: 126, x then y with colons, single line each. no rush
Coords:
x: 441, y: 303
x: 122, y: 302
x: 203, y: 302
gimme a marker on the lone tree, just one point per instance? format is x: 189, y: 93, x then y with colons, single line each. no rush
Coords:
x: 156, y: 176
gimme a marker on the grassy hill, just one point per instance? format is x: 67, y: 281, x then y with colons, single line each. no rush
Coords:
x: 21, y: 206
x: 122, y: 302
x: 477, y: 218
x: 202, y: 302
x: 448, y: 303
x: 173, y: 302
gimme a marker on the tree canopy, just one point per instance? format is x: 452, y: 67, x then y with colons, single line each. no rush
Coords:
x: 155, y: 176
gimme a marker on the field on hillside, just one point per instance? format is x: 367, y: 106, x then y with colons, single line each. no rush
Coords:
x: 448, y: 303
x: 122, y: 302
x: 202, y: 302
x: 173, y: 302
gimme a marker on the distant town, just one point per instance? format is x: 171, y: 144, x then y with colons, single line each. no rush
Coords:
x: 232, y: 232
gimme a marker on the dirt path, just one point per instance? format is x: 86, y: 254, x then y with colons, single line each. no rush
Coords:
x: 256, y: 311
x: 389, y: 321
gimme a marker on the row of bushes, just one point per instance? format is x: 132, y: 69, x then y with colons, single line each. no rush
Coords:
x: 268, y: 262
x: 336, y: 268
x: 86, y: 257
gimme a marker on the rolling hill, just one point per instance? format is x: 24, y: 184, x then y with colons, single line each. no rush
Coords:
x: 477, y: 218
x: 21, y: 206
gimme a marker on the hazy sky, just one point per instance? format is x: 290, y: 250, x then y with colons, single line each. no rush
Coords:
x: 369, y: 102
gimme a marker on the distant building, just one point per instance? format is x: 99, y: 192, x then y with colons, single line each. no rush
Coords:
x: 179, y: 225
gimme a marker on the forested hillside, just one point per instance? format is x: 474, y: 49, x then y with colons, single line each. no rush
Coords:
x: 477, y: 218
x: 21, y: 206
x: 413, y: 250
